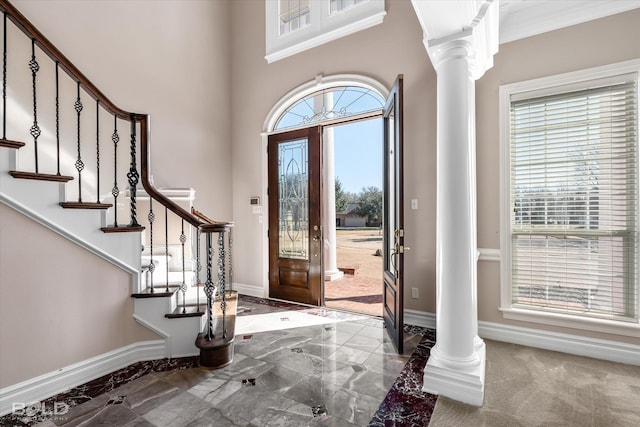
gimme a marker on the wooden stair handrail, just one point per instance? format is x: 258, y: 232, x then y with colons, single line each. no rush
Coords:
x: 67, y: 66
x: 208, y: 220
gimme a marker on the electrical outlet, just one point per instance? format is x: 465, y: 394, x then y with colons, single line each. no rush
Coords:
x: 414, y: 204
x: 414, y: 293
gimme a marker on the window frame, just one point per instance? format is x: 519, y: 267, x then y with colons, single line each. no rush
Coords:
x: 567, y: 82
x: 324, y: 26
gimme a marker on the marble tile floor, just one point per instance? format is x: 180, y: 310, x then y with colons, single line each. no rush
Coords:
x: 341, y: 371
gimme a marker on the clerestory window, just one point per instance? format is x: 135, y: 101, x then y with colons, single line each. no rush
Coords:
x: 293, y: 26
x: 570, y: 196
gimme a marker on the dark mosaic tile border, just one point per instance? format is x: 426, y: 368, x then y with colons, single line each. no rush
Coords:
x: 104, y: 384
x: 405, y: 404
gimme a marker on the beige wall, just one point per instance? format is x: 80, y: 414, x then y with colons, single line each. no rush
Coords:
x: 60, y: 304
x: 380, y: 52
x: 604, y: 41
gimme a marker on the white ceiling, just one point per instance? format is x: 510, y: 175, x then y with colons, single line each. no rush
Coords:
x: 524, y: 18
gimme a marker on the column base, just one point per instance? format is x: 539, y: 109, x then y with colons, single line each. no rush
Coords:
x: 330, y: 276
x: 466, y: 386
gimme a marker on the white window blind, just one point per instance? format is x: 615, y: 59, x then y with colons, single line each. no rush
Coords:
x: 574, y: 199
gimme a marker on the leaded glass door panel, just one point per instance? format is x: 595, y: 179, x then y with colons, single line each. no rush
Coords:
x: 295, y: 235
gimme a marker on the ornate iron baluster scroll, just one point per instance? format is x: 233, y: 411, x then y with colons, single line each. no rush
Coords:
x: 35, y: 129
x: 133, y: 176
x: 57, y: 119
x: 166, y: 244
x: 183, y: 286
x: 230, y: 259
x: 4, y: 77
x: 152, y: 266
x: 115, y: 191
x: 198, y: 269
x: 221, y: 282
x: 209, y: 290
x: 79, y: 164
x: 98, y: 151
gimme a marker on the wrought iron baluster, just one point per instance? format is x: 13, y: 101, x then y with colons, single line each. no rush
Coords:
x: 4, y: 77
x: 198, y: 269
x: 221, y: 282
x: 57, y: 119
x: 79, y: 164
x: 209, y: 290
x: 230, y: 250
x: 166, y: 243
x: 98, y: 150
x: 152, y: 266
x: 133, y: 176
x: 35, y: 129
x: 115, y: 191
x: 183, y: 286
x: 5, y: 142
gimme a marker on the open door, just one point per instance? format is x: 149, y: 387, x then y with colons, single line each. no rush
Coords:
x: 295, y: 234
x: 393, y: 217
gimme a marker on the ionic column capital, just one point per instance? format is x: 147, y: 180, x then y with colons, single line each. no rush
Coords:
x: 476, y: 42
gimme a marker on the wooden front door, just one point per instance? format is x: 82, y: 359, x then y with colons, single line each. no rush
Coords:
x: 393, y: 217
x: 295, y: 233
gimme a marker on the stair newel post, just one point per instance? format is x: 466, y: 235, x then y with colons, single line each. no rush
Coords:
x: 222, y: 281
x: 166, y: 245
x: 115, y: 191
x: 133, y: 176
x: 35, y: 128
x: 152, y: 266
x: 79, y: 163
x: 198, y: 269
x: 97, y: 151
x: 183, y: 285
x: 209, y: 289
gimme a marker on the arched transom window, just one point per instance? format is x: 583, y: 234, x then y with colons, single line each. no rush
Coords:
x: 331, y: 103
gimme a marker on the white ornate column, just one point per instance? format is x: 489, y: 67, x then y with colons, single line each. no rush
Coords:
x: 323, y: 103
x: 456, y: 365
x: 330, y: 261
x: 460, y: 55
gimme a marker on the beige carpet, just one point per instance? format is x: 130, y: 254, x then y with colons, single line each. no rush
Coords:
x: 532, y: 387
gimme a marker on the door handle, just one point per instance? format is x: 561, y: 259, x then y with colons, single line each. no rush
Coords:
x: 316, y: 238
x: 400, y: 249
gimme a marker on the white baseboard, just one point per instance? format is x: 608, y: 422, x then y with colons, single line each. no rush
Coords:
x: 44, y: 386
x: 613, y: 351
x: 419, y: 318
x: 487, y: 254
x: 253, y: 291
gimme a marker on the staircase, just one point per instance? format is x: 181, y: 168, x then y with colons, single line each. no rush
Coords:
x: 87, y: 177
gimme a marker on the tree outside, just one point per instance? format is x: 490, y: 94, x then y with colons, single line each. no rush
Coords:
x: 370, y: 204
x: 342, y: 198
